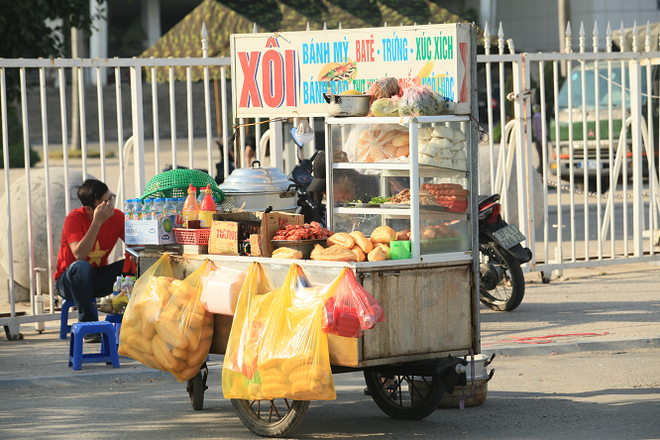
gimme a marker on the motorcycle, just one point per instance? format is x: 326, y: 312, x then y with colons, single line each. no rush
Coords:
x: 502, y: 285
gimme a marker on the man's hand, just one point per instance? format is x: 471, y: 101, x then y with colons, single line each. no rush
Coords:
x: 103, y: 212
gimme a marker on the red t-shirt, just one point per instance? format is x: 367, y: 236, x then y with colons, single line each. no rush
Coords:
x: 76, y: 225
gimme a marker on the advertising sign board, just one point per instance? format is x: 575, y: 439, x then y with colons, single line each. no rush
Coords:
x: 286, y: 74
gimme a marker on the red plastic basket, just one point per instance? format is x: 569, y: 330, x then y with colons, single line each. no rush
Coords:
x: 192, y: 236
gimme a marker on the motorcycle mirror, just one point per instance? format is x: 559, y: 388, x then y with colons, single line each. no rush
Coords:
x: 295, y: 139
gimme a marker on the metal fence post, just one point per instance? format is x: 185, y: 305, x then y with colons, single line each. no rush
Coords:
x: 636, y: 129
x: 138, y: 127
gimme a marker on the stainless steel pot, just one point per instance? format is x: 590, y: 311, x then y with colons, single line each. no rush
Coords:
x: 347, y: 105
x: 260, y: 187
x: 475, y: 391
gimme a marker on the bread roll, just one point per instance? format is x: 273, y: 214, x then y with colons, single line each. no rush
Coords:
x: 287, y: 253
x: 362, y: 241
x: 429, y: 233
x: 402, y: 151
x: 336, y: 253
x: 377, y: 255
x: 359, y: 253
x: 444, y: 229
x: 317, y: 248
x: 401, y: 236
x: 455, y: 233
x: 383, y: 234
x: 386, y: 250
x: 341, y: 239
x: 400, y: 140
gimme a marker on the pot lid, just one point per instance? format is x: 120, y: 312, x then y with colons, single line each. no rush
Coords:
x: 256, y: 179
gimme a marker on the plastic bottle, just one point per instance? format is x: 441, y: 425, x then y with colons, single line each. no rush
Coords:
x: 190, y: 209
x: 137, y: 209
x: 158, y: 208
x: 127, y: 284
x: 207, y: 209
x: 170, y: 207
x: 128, y: 210
x: 146, y: 209
x: 117, y: 286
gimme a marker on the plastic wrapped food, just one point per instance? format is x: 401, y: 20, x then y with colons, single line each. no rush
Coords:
x: 384, y: 87
x: 276, y: 347
x: 350, y: 309
x: 385, y: 107
x: 421, y: 101
x: 165, y: 325
x: 382, y: 142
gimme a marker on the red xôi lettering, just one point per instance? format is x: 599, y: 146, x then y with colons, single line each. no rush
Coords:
x: 291, y: 90
x: 250, y: 92
x: 273, y: 78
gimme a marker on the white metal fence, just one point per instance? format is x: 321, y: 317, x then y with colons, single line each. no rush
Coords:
x: 614, y: 222
x: 599, y: 200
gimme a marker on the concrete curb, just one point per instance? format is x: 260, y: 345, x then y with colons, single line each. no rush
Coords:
x: 92, y: 378
x: 83, y: 378
x: 573, y: 347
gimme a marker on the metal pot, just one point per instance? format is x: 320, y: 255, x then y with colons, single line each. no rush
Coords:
x: 480, y: 385
x: 347, y: 105
x: 260, y: 187
x: 465, y: 392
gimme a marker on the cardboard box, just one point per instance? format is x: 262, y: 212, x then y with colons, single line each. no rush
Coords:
x: 224, y: 230
x: 142, y: 232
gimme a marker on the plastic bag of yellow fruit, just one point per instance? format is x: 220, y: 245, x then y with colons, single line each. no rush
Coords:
x: 165, y: 325
x: 292, y: 359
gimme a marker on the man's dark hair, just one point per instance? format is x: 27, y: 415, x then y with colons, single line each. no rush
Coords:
x: 90, y: 191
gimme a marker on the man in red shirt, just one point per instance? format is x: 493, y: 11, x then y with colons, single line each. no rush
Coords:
x: 89, y: 235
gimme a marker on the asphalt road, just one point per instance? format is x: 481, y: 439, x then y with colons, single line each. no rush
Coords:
x: 595, y: 395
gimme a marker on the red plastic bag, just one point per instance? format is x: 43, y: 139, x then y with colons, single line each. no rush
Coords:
x: 351, y: 310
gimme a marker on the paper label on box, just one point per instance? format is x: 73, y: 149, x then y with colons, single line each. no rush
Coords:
x: 223, y: 239
x: 141, y: 232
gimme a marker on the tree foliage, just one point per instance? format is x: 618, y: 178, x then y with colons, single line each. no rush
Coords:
x: 34, y: 29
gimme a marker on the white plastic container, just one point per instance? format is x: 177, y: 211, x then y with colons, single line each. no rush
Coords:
x: 220, y: 290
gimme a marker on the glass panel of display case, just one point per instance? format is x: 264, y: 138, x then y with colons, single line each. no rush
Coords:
x: 440, y: 234
x: 439, y: 144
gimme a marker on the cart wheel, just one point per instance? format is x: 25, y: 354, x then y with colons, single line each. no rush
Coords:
x: 271, y: 418
x: 417, y: 400
x: 196, y: 387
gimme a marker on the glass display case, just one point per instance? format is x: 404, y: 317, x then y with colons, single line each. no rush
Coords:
x: 378, y: 166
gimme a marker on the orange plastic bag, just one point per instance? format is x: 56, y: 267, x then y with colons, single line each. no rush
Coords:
x: 165, y: 325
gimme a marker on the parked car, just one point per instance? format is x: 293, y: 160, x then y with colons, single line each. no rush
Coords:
x: 595, y: 114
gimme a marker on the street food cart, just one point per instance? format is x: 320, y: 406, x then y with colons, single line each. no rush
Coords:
x: 429, y: 295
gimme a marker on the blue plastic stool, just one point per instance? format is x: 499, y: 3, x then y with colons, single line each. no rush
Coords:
x: 65, y: 328
x: 116, y: 322
x: 108, y: 352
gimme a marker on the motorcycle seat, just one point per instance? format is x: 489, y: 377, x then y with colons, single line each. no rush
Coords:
x: 485, y: 200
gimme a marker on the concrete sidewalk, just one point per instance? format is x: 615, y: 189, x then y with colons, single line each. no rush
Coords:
x: 607, y: 308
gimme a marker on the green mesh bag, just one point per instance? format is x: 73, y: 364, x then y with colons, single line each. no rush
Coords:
x: 175, y: 183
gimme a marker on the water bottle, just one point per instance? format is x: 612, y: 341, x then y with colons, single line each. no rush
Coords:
x: 128, y: 213
x: 137, y: 209
x: 158, y: 208
x: 170, y: 208
x: 127, y: 284
x: 147, y: 209
x: 117, y: 286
